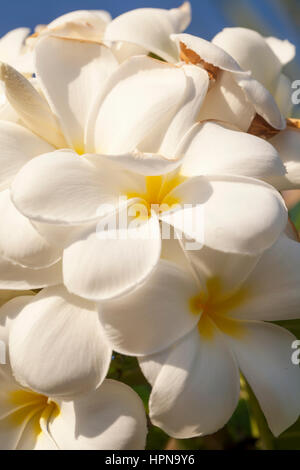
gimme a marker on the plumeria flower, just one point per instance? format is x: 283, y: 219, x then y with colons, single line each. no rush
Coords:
x: 195, y: 333
x: 264, y: 58
x: 235, y: 96
x: 94, y: 190
x: 111, y: 417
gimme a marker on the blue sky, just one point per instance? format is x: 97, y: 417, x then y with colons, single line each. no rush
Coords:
x: 209, y: 16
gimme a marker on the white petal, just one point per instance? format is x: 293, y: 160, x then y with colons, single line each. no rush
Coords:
x: 213, y: 148
x: 196, y: 389
x: 12, y: 43
x: 283, y: 95
x: 188, y: 112
x: 16, y: 277
x: 287, y: 143
x: 8, y: 312
x: 68, y: 189
x: 142, y: 163
x: 272, y: 289
x: 252, y: 52
x: 228, y: 213
x: 57, y: 345
x: 264, y: 356
x: 11, y: 309
x: 19, y: 240
x: 18, y: 145
x: 103, y: 264
x: 30, y: 441
x: 226, y: 102
x: 30, y: 106
x: 111, y: 418
x: 151, y: 28
x: 283, y: 49
x: 71, y: 74
x: 159, y: 310
x: 140, y: 98
x: 262, y: 100
x: 80, y: 24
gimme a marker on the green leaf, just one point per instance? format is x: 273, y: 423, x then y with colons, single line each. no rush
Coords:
x: 295, y: 215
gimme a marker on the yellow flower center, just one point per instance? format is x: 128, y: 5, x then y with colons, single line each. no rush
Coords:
x: 157, y: 195
x: 215, y: 312
x: 33, y: 408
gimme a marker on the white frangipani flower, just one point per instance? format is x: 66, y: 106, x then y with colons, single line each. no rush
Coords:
x: 264, y: 58
x: 193, y: 335
x: 101, y: 267
x: 235, y: 96
x: 110, y: 418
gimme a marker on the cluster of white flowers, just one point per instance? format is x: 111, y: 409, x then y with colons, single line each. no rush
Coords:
x: 101, y: 119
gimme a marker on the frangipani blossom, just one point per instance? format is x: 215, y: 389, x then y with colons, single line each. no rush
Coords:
x: 101, y: 267
x: 235, y: 96
x: 196, y: 333
x: 264, y: 58
x: 111, y: 417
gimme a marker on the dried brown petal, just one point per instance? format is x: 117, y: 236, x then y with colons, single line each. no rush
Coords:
x: 190, y: 57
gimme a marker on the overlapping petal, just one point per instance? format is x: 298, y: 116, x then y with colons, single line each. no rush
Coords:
x: 57, y: 346
x: 158, y: 310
